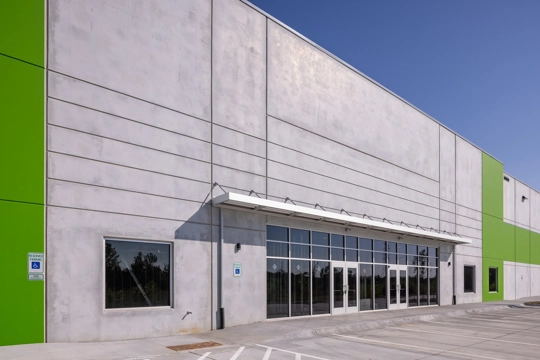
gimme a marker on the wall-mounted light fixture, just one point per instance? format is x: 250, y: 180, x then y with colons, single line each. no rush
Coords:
x: 237, y: 247
x: 400, y: 237
x: 523, y: 198
x: 449, y: 263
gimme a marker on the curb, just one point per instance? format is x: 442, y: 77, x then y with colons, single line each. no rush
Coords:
x: 378, y: 324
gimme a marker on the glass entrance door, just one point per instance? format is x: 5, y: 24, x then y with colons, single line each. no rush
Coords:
x: 397, y: 287
x: 344, y: 287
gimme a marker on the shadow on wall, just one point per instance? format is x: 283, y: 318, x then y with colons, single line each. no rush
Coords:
x: 198, y: 226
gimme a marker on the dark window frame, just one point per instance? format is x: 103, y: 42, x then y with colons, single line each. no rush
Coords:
x: 472, y: 290
x: 171, y: 273
x: 496, y: 279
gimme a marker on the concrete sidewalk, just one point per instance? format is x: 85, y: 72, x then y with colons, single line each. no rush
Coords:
x: 152, y: 348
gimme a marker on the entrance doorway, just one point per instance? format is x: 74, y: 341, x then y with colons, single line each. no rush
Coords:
x: 344, y: 287
x: 397, y: 287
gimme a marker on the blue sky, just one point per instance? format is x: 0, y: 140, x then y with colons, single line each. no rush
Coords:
x: 472, y: 65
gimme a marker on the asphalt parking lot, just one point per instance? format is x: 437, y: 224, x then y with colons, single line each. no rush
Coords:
x: 510, y: 333
x: 496, y: 331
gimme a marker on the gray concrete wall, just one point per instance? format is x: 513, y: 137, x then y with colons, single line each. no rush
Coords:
x: 523, y: 206
x: 221, y: 93
x: 129, y: 156
x: 509, y: 203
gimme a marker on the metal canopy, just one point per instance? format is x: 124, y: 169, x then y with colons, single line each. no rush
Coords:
x: 269, y: 207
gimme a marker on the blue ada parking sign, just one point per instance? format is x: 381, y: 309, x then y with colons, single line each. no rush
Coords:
x: 237, y: 269
x: 36, y: 263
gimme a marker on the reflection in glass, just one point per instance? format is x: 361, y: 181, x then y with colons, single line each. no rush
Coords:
x: 319, y: 252
x: 493, y: 280
x: 366, y: 256
x: 432, y: 252
x: 468, y: 279
x: 424, y: 284
x: 366, y: 244
x: 137, y: 274
x: 393, y: 286
x: 433, y: 299
x: 277, y: 233
x: 352, y: 255
x: 300, y: 276
x: 338, y: 241
x: 366, y: 288
x: 392, y: 247
x: 351, y: 242
x: 338, y: 254
x: 300, y: 251
x: 402, y: 259
x: 277, y: 249
x: 277, y: 288
x: 422, y: 250
x: 412, y: 260
x: 392, y: 258
x: 300, y: 236
x: 413, y: 286
x: 351, y: 283
x: 380, y: 287
x: 338, y: 287
x: 432, y: 261
x: 402, y: 248
x: 412, y: 249
x: 379, y: 258
x: 402, y: 286
x: 321, y: 287
x: 319, y: 238
x: 379, y: 245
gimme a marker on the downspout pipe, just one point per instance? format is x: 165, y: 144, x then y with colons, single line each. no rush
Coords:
x: 454, y: 268
x: 220, y: 269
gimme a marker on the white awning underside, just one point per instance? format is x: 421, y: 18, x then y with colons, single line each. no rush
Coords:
x: 269, y: 207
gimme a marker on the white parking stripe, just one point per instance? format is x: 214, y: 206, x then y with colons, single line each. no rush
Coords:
x: 204, y: 356
x: 267, y: 354
x: 465, y: 336
x: 500, y: 321
x: 482, y: 327
x: 437, y: 351
x: 292, y: 352
x: 237, y: 353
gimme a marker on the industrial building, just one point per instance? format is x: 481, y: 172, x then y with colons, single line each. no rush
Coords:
x: 180, y: 166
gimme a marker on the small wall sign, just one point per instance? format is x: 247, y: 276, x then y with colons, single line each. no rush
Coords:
x: 237, y: 269
x: 36, y: 263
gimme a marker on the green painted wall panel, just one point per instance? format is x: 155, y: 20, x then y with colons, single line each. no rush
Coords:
x: 535, y: 249
x: 523, y: 247
x: 486, y: 294
x: 21, y: 131
x: 498, y: 239
x: 501, y: 241
x: 22, y: 301
x: 22, y: 30
x: 492, y: 186
x: 22, y: 150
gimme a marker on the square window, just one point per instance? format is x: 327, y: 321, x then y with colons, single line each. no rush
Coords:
x: 319, y: 238
x: 137, y: 274
x: 338, y: 240
x: 493, y: 284
x: 351, y: 242
x: 277, y: 233
x: 468, y: 279
x: 300, y: 236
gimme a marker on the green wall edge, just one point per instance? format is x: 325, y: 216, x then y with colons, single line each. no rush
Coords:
x: 22, y: 164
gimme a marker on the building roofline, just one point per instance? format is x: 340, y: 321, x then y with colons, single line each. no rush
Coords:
x: 318, y: 47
